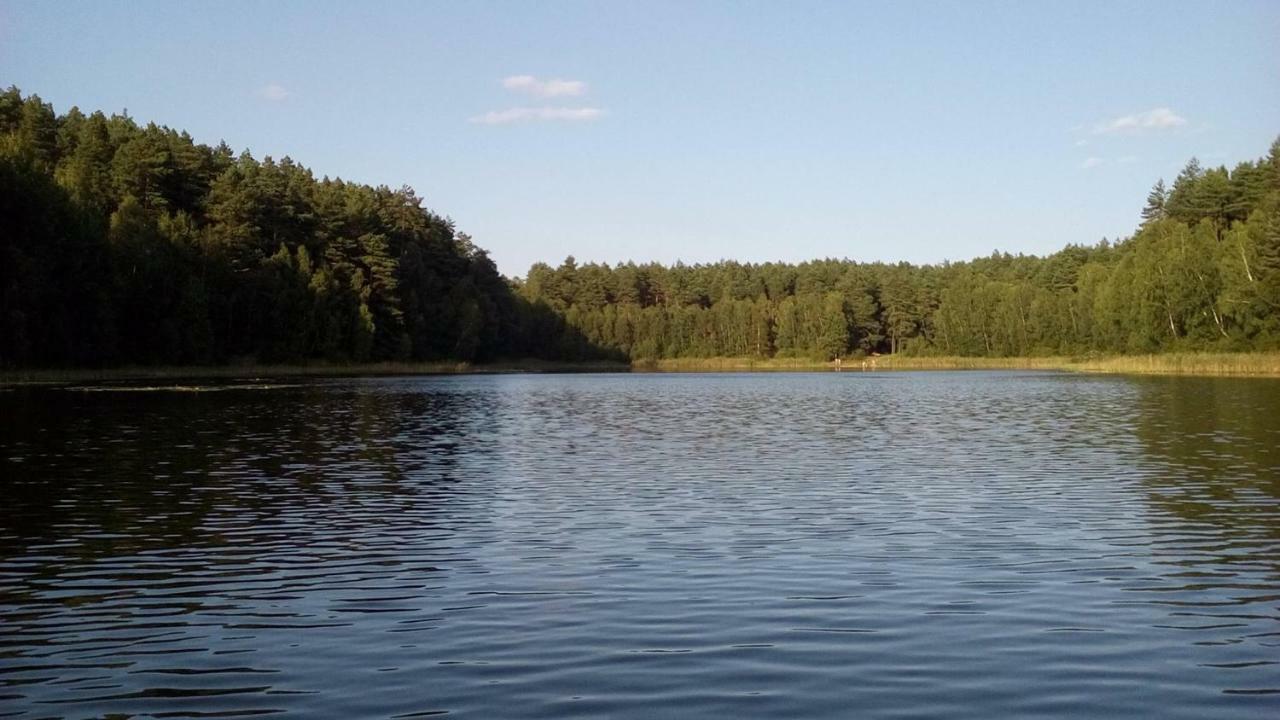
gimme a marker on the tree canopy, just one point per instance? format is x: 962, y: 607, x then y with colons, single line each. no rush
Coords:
x: 124, y: 243
x: 1202, y: 272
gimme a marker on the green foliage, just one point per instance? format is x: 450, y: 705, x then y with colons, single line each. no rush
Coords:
x: 1157, y: 200
x: 1202, y: 273
x: 127, y: 244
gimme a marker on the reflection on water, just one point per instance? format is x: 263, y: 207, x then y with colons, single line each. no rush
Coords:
x: 914, y: 544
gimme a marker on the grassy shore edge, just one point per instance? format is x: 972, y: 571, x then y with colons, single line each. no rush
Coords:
x: 1264, y: 364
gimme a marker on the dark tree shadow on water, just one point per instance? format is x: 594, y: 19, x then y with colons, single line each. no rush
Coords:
x: 1218, y: 442
x: 106, y: 473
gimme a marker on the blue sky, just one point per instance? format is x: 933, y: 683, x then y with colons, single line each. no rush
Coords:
x: 697, y: 130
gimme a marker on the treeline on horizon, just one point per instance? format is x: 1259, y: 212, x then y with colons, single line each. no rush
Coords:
x: 129, y: 244
x: 1201, y: 273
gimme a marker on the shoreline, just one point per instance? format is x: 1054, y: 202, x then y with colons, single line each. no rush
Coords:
x: 1261, y: 364
x: 1254, y: 364
x: 316, y: 370
x: 1205, y: 364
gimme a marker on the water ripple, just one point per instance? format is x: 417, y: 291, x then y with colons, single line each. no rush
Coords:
x: 814, y: 545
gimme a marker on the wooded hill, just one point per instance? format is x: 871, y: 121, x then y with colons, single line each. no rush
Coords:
x: 130, y: 244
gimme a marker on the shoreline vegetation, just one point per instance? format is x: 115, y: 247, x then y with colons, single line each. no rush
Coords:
x: 132, y: 246
x: 1265, y: 364
x: 1261, y: 364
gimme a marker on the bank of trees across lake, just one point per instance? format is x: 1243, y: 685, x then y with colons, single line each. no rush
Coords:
x: 123, y: 243
x: 1201, y: 273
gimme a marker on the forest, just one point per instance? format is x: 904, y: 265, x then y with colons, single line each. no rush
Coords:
x: 123, y: 243
x: 1201, y: 273
x: 130, y: 244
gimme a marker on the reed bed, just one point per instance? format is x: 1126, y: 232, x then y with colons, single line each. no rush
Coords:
x: 1261, y: 364
x: 1264, y: 364
x: 729, y: 364
x: 950, y: 362
x: 1253, y: 364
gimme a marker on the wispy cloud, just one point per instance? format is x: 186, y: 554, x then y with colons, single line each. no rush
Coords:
x: 1090, y: 163
x: 1127, y: 159
x: 555, y: 87
x: 531, y: 114
x: 1161, y: 118
x: 273, y: 92
x: 541, y: 88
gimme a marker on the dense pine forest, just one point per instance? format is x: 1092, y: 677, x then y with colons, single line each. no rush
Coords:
x: 130, y: 244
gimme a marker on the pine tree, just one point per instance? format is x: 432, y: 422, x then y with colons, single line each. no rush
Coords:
x: 1271, y: 165
x: 1184, y: 201
x: 38, y: 131
x: 141, y: 168
x: 1156, y: 200
x: 86, y: 170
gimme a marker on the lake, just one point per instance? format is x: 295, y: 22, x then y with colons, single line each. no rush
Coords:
x: 950, y: 544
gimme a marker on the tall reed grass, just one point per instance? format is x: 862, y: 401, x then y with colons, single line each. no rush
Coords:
x: 1263, y: 364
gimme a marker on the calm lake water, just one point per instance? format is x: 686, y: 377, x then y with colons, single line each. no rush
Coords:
x: 1004, y: 544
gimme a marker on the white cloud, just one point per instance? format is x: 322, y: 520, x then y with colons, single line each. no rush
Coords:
x: 1081, y: 143
x: 529, y: 114
x: 1161, y: 118
x: 541, y: 88
x: 555, y: 87
x: 1127, y: 159
x: 273, y: 92
x: 1092, y: 162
